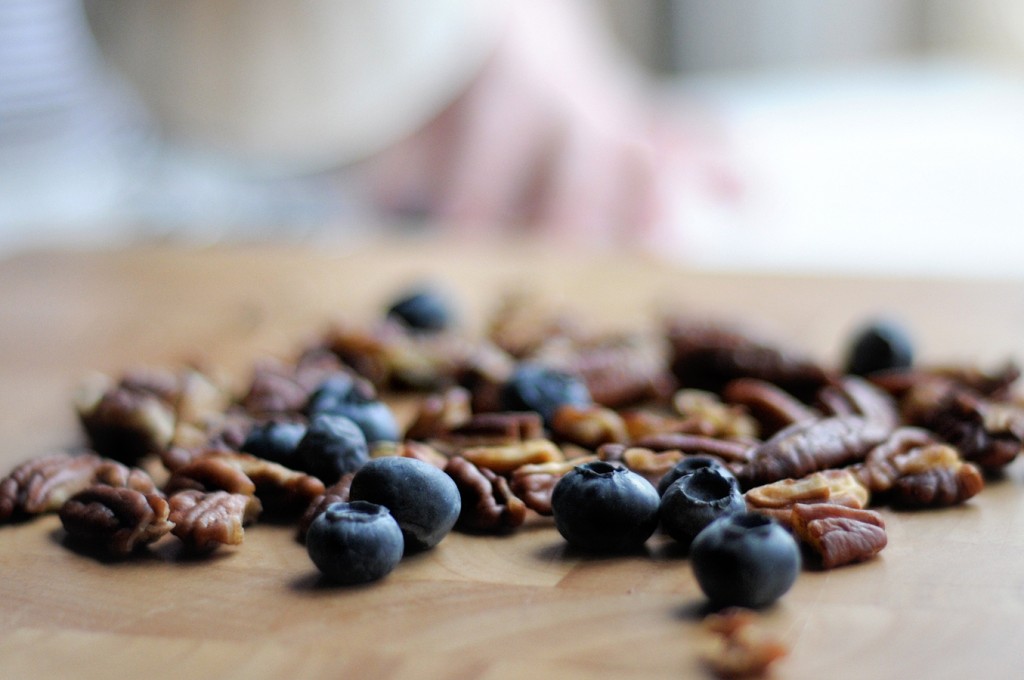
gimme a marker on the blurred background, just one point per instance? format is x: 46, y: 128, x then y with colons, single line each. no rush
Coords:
x: 882, y: 136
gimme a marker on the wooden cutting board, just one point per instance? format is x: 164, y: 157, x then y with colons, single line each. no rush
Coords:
x: 945, y: 599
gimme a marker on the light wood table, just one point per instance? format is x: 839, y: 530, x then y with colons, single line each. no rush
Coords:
x: 945, y: 599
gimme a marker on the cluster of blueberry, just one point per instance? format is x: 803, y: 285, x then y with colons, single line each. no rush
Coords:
x: 400, y: 505
x: 739, y: 558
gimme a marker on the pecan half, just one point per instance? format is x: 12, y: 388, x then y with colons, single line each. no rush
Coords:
x: 205, y: 520
x: 279, y: 488
x: 43, y: 484
x: 772, y: 407
x: 488, y: 504
x: 707, y: 356
x: 713, y: 417
x: 115, y: 519
x: 589, y: 426
x: 835, y: 487
x: 441, y: 413
x: 739, y: 647
x: 504, y: 459
x: 112, y: 473
x: 210, y: 473
x: 839, y: 535
x: 641, y: 423
x: 880, y: 468
x: 123, y: 422
x: 983, y: 432
x: 651, y: 465
x: 496, y: 429
x: 804, y: 448
x: 856, y: 396
x: 694, y: 444
x: 274, y: 389
x: 934, y: 476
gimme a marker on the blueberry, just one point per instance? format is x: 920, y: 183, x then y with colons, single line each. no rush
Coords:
x: 275, y: 440
x: 533, y: 387
x: 422, y: 498
x: 603, y: 508
x: 355, y: 399
x: 424, y: 310
x: 880, y: 346
x: 332, y: 446
x: 745, y: 560
x: 695, y: 500
x: 691, y: 464
x: 354, y: 542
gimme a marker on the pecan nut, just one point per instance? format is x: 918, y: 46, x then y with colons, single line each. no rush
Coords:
x: 839, y: 535
x: 880, y: 470
x: 205, y: 520
x: 589, y: 426
x: 441, y: 413
x: 707, y: 356
x: 804, y: 448
x: 711, y: 416
x: 488, y: 504
x: 210, y: 473
x: 504, y: 459
x: 116, y: 519
x: 834, y: 487
x: 123, y: 422
x: 983, y: 432
x: 496, y: 429
x: 935, y: 476
x: 739, y: 648
x: 772, y: 407
x: 43, y: 484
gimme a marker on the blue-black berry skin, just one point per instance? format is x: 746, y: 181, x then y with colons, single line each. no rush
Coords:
x: 533, y: 387
x: 695, y: 500
x: 424, y: 311
x: 422, y: 498
x: 275, y: 441
x: 599, y: 507
x: 880, y: 346
x: 344, y: 396
x: 355, y: 542
x: 745, y: 560
x: 689, y: 465
x: 332, y: 446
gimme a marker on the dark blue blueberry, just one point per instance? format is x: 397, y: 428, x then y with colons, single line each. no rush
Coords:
x: 603, y: 508
x: 332, y: 446
x: 355, y: 399
x: 695, y: 500
x: 880, y: 346
x: 745, y: 560
x: 692, y: 464
x: 533, y: 387
x: 422, y: 498
x: 423, y: 310
x: 354, y: 542
x: 275, y: 440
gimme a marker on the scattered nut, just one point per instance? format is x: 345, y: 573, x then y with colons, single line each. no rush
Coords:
x: 117, y: 519
x: 740, y: 648
x: 589, y: 427
x: 839, y: 535
x: 205, y: 520
x: 488, y: 504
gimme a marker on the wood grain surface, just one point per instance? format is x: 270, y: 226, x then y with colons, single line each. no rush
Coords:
x: 945, y: 599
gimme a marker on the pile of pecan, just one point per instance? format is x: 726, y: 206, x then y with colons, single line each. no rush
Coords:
x: 812, y: 447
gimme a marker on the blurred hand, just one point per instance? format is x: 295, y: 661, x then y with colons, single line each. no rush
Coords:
x: 555, y: 135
